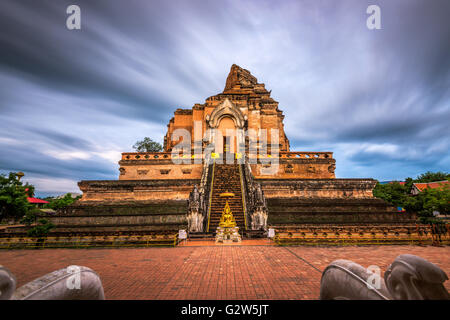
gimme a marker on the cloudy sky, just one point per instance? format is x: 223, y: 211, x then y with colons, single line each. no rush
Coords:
x: 72, y: 100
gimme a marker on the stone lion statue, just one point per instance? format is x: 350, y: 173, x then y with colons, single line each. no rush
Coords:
x: 71, y: 283
x: 409, y: 277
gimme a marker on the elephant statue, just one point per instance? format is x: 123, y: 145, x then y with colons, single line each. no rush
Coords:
x: 71, y: 283
x: 409, y: 277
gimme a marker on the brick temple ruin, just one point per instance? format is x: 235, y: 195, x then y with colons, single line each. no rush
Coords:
x: 183, y: 188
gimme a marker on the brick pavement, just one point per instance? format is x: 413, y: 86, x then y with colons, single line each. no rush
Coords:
x: 211, y: 272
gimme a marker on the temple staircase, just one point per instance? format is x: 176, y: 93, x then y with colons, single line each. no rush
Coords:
x: 226, y: 179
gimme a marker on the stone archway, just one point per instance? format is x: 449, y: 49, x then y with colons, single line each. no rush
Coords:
x: 227, y: 116
x: 227, y: 128
x: 226, y: 109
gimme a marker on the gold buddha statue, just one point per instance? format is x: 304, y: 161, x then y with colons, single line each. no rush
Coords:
x: 227, y: 218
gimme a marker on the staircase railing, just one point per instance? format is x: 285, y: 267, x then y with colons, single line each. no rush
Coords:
x: 199, y: 199
x: 254, y: 197
x: 210, y: 185
x: 244, y: 194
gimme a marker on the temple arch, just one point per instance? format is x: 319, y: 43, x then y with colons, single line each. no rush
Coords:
x: 227, y: 134
x: 226, y: 109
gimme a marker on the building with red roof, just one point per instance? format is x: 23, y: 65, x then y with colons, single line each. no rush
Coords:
x: 38, y: 202
x: 419, y: 187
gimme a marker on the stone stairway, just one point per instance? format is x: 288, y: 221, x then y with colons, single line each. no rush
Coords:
x: 226, y: 179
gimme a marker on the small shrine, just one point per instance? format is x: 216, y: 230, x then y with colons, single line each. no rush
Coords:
x: 227, y: 231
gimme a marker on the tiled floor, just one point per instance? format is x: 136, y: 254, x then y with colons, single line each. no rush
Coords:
x: 208, y: 242
x: 255, y: 271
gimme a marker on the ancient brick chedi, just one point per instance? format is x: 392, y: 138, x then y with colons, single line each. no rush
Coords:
x: 231, y: 148
x: 238, y: 118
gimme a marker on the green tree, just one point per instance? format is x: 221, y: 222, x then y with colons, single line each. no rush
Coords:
x: 425, y: 203
x: 394, y: 193
x: 41, y: 229
x: 30, y: 217
x: 13, y: 197
x: 55, y: 203
x: 433, y: 200
x: 408, y: 184
x: 432, y: 176
x: 147, y: 145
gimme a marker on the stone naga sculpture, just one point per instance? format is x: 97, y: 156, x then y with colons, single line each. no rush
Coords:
x: 259, y: 208
x: 195, y: 215
x: 71, y: 283
x: 409, y: 277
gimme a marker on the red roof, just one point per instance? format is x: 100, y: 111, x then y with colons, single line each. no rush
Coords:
x: 399, y: 182
x: 432, y: 185
x: 36, y: 200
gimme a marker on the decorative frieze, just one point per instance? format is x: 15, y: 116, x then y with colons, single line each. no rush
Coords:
x: 355, y: 234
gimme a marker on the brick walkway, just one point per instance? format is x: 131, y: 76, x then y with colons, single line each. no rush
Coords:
x: 211, y: 272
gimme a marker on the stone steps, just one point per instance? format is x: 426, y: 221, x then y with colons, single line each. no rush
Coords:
x: 226, y: 179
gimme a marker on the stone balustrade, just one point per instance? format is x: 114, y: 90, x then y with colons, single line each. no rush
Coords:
x: 168, y: 155
x: 297, y: 155
x: 307, y: 155
x: 357, y: 234
x: 91, y: 241
x: 146, y: 155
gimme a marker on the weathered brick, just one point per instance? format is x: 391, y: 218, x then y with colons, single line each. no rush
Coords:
x: 211, y: 272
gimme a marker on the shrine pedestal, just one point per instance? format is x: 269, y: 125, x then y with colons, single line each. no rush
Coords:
x: 227, y: 231
x: 228, y: 235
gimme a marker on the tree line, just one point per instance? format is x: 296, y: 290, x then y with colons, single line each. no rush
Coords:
x: 424, y: 204
x: 14, y: 205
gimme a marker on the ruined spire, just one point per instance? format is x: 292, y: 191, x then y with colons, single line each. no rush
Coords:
x: 239, y: 78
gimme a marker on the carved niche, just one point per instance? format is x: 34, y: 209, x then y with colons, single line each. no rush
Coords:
x: 289, y: 168
x: 142, y: 172
x: 311, y: 169
x: 331, y: 168
x: 186, y: 171
x: 226, y: 108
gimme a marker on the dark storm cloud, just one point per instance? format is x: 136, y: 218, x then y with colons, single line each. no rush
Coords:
x: 18, y: 159
x: 393, y: 93
x: 40, y: 48
x: 61, y: 139
x: 395, y: 79
x: 71, y: 101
